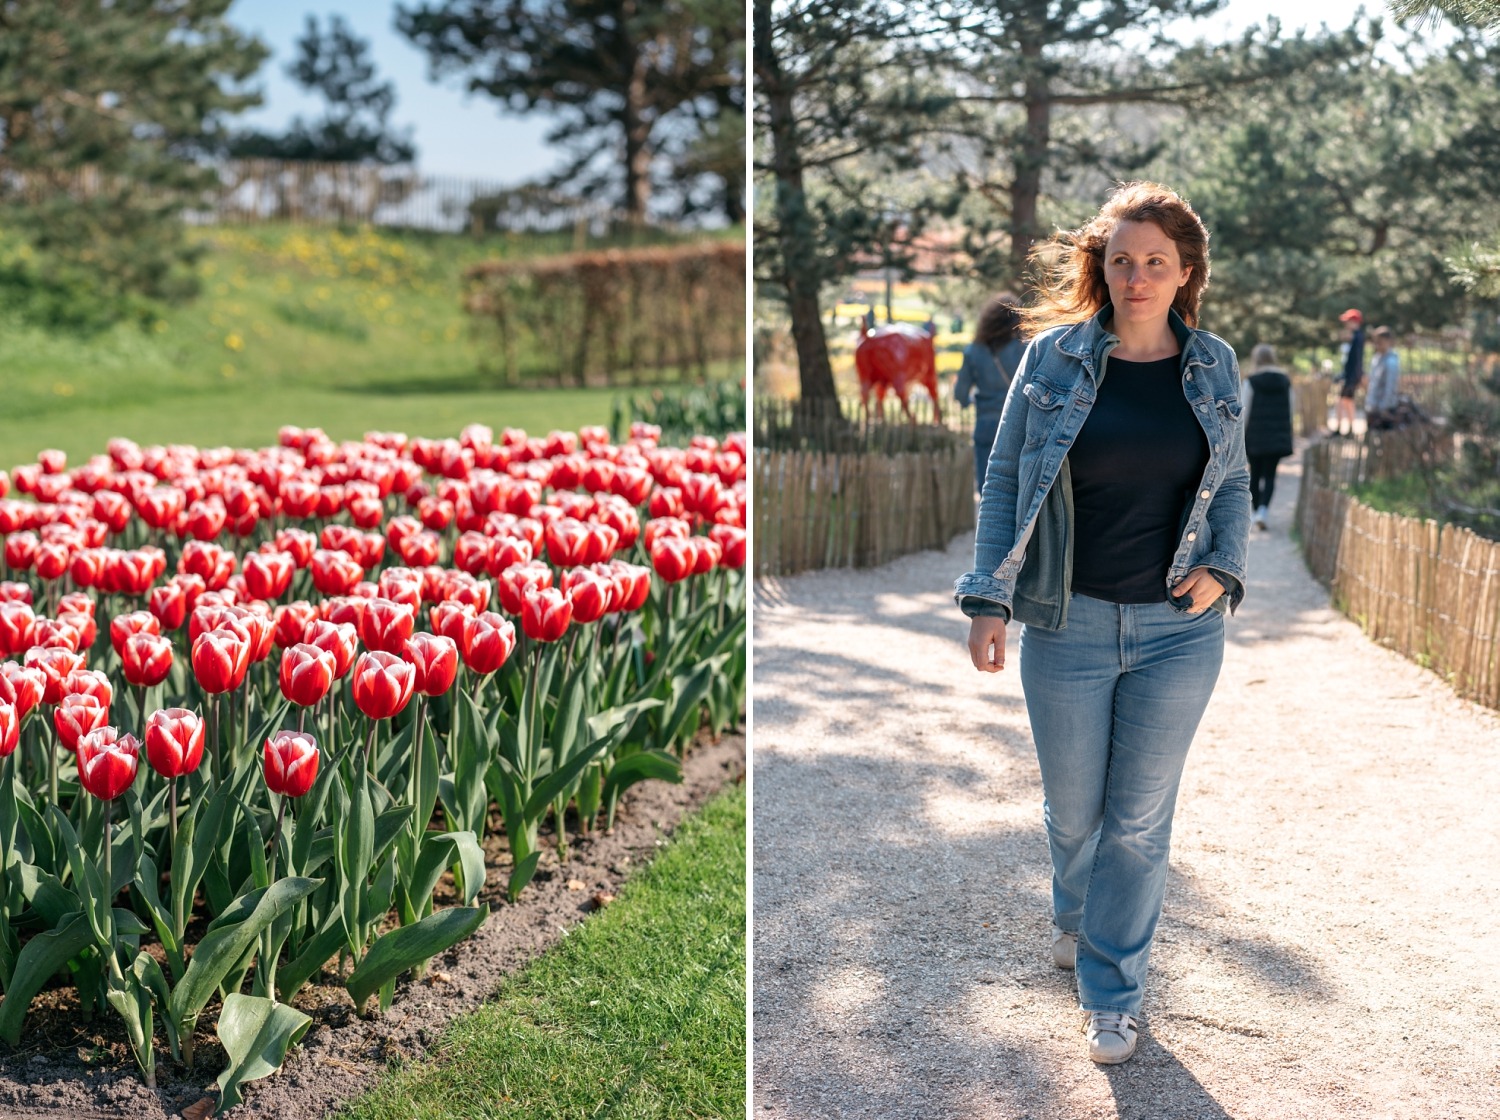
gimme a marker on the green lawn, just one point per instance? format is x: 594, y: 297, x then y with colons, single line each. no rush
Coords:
x: 639, y: 1012
x: 344, y: 330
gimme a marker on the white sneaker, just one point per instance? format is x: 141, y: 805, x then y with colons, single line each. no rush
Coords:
x: 1261, y: 517
x: 1064, y: 948
x: 1111, y: 1036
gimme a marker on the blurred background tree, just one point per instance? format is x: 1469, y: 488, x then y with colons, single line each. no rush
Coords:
x: 336, y: 65
x: 628, y: 82
x: 104, y: 109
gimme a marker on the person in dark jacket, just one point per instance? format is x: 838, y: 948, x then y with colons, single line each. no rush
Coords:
x: 1354, y: 369
x: 990, y: 361
x: 1267, y: 397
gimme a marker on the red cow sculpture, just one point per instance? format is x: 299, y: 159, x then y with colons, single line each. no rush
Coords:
x: 895, y: 358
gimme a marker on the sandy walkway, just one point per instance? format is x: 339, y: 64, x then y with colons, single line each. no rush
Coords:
x: 1328, y: 947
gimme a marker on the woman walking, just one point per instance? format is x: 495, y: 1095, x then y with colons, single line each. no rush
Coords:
x: 1113, y: 525
x: 1267, y: 397
x: 990, y: 361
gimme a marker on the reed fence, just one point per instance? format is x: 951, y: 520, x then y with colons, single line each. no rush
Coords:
x: 1429, y: 591
x: 816, y: 509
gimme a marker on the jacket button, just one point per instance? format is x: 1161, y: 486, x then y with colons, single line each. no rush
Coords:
x: 1203, y: 408
x: 1192, y: 536
x: 1188, y: 376
x: 1204, y: 494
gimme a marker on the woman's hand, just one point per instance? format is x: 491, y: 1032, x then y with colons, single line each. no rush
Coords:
x: 1201, y: 585
x: 987, y: 644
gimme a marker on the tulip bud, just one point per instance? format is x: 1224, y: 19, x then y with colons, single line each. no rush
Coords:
x: 291, y: 762
x: 435, y: 659
x: 545, y: 614
x: 307, y: 673
x: 673, y: 558
x: 107, y: 762
x: 489, y: 640
x: 382, y: 684
x: 386, y: 625
x: 588, y: 592
x: 174, y: 741
x: 220, y: 660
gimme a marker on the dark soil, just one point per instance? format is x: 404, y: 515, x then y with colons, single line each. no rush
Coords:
x: 67, y: 1067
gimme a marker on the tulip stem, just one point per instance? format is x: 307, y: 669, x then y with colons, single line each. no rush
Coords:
x: 108, y: 858
x: 140, y: 707
x: 370, y: 747
x: 172, y: 802
x: 52, y: 761
x: 418, y: 827
x: 213, y: 735
x: 301, y: 718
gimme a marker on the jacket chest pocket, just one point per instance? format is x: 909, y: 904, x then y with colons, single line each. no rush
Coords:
x: 1047, y: 408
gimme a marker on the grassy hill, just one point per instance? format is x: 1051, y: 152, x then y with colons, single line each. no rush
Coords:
x: 343, y: 329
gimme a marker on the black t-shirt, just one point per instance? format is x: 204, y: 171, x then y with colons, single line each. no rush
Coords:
x: 1135, y: 465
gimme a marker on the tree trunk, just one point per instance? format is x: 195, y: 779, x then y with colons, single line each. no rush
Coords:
x: 637, y: 145
x: 794, y: 236
x: 1027, y: 186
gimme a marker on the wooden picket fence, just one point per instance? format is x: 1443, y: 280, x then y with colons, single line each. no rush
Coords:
x: 1430, y: 592
x: 858, y: 509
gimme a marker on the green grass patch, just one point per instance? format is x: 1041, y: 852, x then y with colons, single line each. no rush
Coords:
x: 341, y: 329
x: 639, y: 1012
x: 1408, y: 495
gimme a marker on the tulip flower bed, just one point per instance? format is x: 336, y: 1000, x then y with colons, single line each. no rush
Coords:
x: 263, y: 709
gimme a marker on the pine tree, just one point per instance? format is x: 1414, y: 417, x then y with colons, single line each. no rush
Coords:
x: 627, y: 80
x: 103, y: 109
x: 355, y: 128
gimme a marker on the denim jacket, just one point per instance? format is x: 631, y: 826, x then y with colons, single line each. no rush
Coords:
x: 1023, y: 553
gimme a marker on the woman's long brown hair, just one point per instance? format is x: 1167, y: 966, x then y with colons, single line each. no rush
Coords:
x: 1071, y: 266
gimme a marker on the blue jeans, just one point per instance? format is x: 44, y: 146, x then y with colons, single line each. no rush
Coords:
x: 1114, y: 700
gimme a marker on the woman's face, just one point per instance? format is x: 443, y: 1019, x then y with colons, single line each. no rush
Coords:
x: 1143, y: 270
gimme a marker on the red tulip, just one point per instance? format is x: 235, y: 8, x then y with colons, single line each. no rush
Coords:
x: 435, y: 659
x: 338, y: 638
x: 567, y: 542
x: 401, y: 585
x: 16, y: 622
x: 451, y: 620
x: 55, y: 664
x: 169, y: 603
x: 10, y: 728
x: 633, y: 583
x: 386, y: 625
x: 87, y: 567
x: 52, y: 559
x: 299, y: 544
x: 489, y: 640
x: 83, y: 626
x: 545, y: 614
x: 91, y: 682
x: 205, y: 519
x: 22, y: 685
x: 123, y: 626
x: 174, y: 741
x: 291, y: 760
x: 732, y: 541
x: 107, y: 762
x: 75, y: 716
x: 706, y: 555
x: 419, y: 549
x: 666, y: 502
x: 512, y: 584
x: 113, y: 509
x: 207, y: 561
x: 146, y: 659
x: 507, y: 552
x: 632, y: 484
x: 55, y: 633
x: 383, y: 684
x: 268, y: 574
x: 673, y: 558
x: 335, y: 573
x: 13, y: 592
x: 291, y: 621
x: 307, y: 673
x: 659, y: 527
x: 220, y: 660
x: 589, y: 593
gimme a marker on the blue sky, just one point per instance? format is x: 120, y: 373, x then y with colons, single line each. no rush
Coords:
x: 455, y: 134
x: 469, y: 136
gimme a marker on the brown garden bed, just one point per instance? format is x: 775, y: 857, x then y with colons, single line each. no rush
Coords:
x: 66, y: 1067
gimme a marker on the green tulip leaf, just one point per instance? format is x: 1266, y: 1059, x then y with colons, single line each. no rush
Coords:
x: 316, y: 951
x: 132, y: 1002
x: 43, y: 956
x: 226, y: 943
x: 639, y: 767
x: 521, y: 875
x: 408, y: 946
x: 443, y: 850
x: 256, y: 1033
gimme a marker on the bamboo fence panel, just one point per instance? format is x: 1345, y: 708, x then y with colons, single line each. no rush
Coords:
x: 1311, y: 394
x: 1430, y: 592
x: 817, y: 509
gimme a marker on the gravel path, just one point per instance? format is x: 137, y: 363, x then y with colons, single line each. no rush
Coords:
x: 1328, y: 945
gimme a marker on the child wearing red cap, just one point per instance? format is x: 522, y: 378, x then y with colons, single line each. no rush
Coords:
x: 1354, y: 369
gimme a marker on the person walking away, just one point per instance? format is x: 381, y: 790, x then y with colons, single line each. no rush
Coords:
x: 1114, y: 525
x: 1267, y: 397
x: 1385, y: 372
x: 990, y: 361
x: 1354, y: 369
